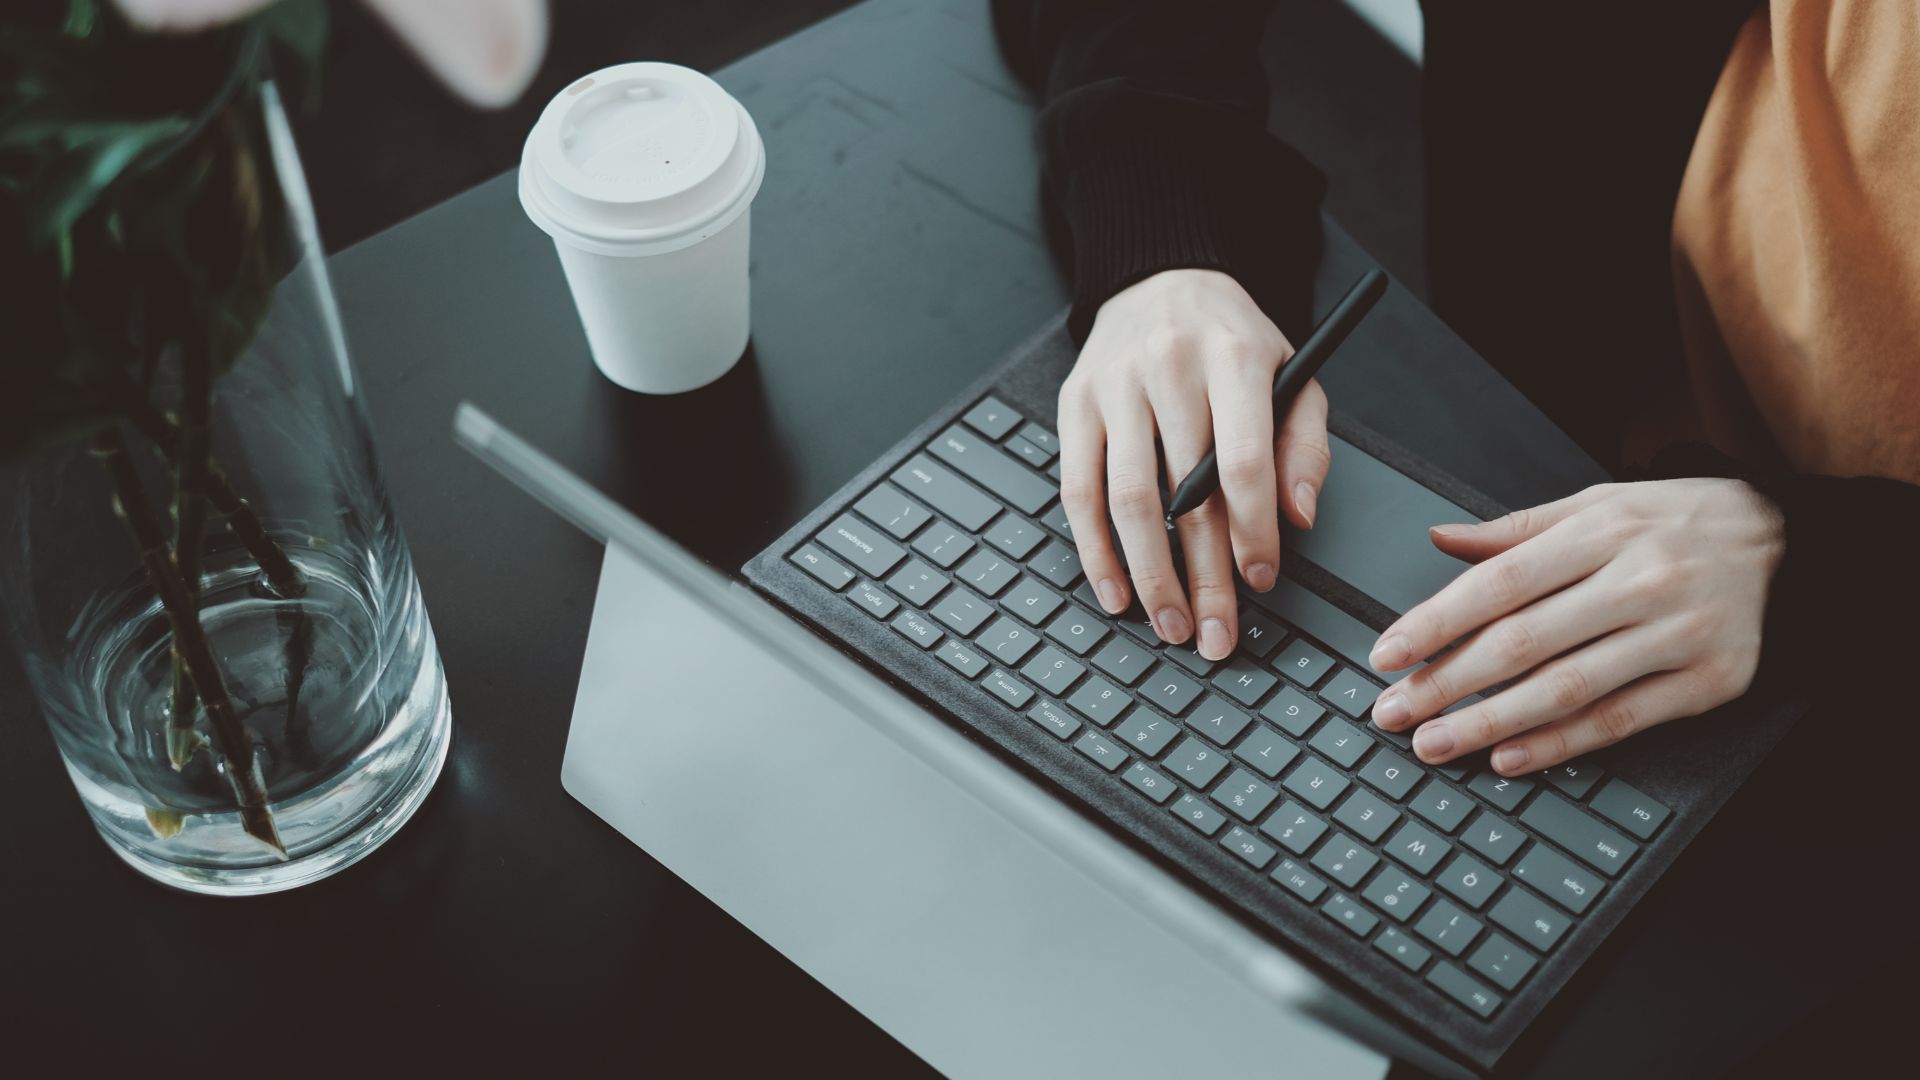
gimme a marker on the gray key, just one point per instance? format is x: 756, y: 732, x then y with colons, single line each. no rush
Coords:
x: 1056, y: 519
x: 1266, y: 751
x: 1500, y: 962
x: 1252, y: 850
x: 1416, y: 848
x: 1317, y: 782
x: 1295, y: 712
x: 1460, y: 986
x: 1626, y: 807
x: 1574, y: 778
x: 962, y: 611
x: 1053, y: 471
x: 992, y: 468
x: 1342, y: 742
x: 1150, y: 783
x: 1349, y: 693
x: 1058, y: 563
x: 1529, y: 918
x: 1134, y: 621
x: 1259, y: 635
x: 1505, y: 792
x: 1391, y: 774
x: 1031, y: 602
x: 1448, y: 927
x: 1405, y: 951
x: 1188, y: 656
x: 1295, y: 879
x: 1245, y: 794
x: 873, y: 600
x: 1365, y: 814
x: 1008, y: 689
x: 824, y: 568
x: 943, y: 545
x: 917, y: 583
x: 988, y: 571
x: 1218, y: 720
x: 1345, y: 860
x: 1101, y: 750
x: 945, y: 492
x: 1013, y: 536
x: 890, y: 508
x: 1042, y: 438
x: 1199, y: 814
x: 1170, y: 688
x: 1300, y: 661
x: 1591, y: 842
x: 1453, y: 770
x: 1077, y: 630
x: 1146, y: 732
x: 1007, y: 641
x: 862, y: 545
x: 917, y: 629
x: 1341, y: 909
x: 1027, y: 452
x: 1195, y: 762
x: 1293, y: 827
x: 1099, y: 701
x: 1056, y: 720
x: 1053, y: 671
x: 1471, y: 881
x: 1559, y: 878
x: 1442, y: 805
x: 992, y: 417
x: 961, y: 658
x: 1124, y: 658
x: 1494, y: 837
x: 1396, y: 894
x: 1244, y: 680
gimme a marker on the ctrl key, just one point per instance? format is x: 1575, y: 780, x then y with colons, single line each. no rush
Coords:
x: 1460, y: 986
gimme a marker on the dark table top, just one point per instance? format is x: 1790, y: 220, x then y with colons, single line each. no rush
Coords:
x: 898, y: 252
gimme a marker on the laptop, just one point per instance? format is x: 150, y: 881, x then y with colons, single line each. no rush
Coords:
x: 1027, y: 838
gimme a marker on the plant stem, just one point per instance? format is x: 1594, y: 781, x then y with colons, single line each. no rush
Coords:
x: 229, y: 733
x: 190, y: 519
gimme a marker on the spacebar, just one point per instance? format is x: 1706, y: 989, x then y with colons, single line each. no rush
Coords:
x: 1341, y: 632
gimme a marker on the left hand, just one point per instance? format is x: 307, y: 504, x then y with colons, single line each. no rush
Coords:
x: 1630, y: 604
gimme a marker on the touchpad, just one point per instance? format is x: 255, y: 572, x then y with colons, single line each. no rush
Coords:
x: 1370, y: 530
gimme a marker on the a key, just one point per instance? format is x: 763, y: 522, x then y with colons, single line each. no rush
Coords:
x: 1259, y: 635
x: 1342, y: 742
x: 1574, y: 778
x: 1199, y: 814
x: 1415, y: 847
x: 988, y: 572
x: 1008, y: 689
x: 945, y: 492
x: 1448, y: 927
x: 1030, y: 601
x: 1505, y: 792
x: 1626, y: 807
x: 1101, y: 750
x: 1300, y: 661
x: 1444, y: 806
x: 1500, y: 962
x: 1591, y: 842
x: 1056, y: 519
x: 890, y: 508
x: 961, y: 658
x: 1390, y: 774
x: 917, y: 629
x: 1042, y: 438
x: 1460, y: 986
x: 1349, y: 693
x: 1396, y: 894
x: 1013, y: 536
x: 942, y: 544
x: 862, y: 545
x: 1343, y: 859
x: 1027, y: 452
x: 1124, y: 658
x: 1007, y: 641
x: 1099, y: 701
x: 1471, y: 881
x: 1057, y: 563
x: 1529, y: 918
x: 1405, y: 951
x: 1147, y: 732
x: 1195, y: 762
x: 1252, y: 850
x: 1317, y: 782
x: 1150, y: 783
x: 1365, y: 814
x: 824, y: 568
x: 873, y: 600
x: 1559, y: 878
x: 1295, y: 712
x: 1293, y: 827
x: 1188, y: 656
x: 962, y: 611
x: 1077, y: 630
x: 1341, y: 909
x: 1245, y: 794
x: 1056, y: 720
x: 992, y: 418
x: 1170, y: 688
x: 917, y: 583
x: 1266, y: 751
x: 1244, y: 680
x: 1295, y: 879
x: 1493, y: 837
x: 1053, y: 671
x: 992, y: 468
x: 1218, y: 720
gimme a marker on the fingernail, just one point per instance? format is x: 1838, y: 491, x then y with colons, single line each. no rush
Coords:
x: 1304, y: 498
x: 1432, y: 741
x: 1110, y: 599
x: 1215, y: 642
x: 1171, y: 625
x: 1390, y: 652
x: 1391, y: 711
x: 1510, y: 758
x: 1449, y: 531
x: 1260, y: 576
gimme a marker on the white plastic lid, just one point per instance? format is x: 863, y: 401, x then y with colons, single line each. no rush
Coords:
x: 640, y: 159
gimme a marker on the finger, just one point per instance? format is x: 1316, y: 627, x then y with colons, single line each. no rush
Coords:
x: 1479, y: 540
x: 1083, y: 459
x: 1304, y: 457
x: 1185, y: 420
x: 1655, y: 699
x: 1133, y: 493
x: 1554, y: 559
x: 1558, y: 690
x: 1243, y: 448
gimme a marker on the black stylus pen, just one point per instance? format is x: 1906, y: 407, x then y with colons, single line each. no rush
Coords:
x: 1292, y: 378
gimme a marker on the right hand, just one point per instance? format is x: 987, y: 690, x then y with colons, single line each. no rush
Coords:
x: 1186, y: 355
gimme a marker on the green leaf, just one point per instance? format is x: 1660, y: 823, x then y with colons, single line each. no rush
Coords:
x: 93, y: 157
x: 298, y: 28
x: 80, y: 18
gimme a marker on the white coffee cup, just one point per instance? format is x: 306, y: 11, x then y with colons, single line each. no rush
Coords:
x: 643, y: 175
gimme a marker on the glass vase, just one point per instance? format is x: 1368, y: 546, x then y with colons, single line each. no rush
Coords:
x: 300, y: 604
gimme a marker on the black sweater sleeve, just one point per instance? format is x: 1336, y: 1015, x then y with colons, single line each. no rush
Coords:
x: 1155, y: 150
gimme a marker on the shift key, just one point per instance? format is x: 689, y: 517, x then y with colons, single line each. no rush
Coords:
x: 863, y: 545
x: 1591, y: 842
x: 946, y: 492
x: 994, y: 469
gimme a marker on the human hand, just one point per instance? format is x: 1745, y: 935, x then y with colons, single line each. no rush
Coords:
x: 1638, y: 603
x: 1187, y: 355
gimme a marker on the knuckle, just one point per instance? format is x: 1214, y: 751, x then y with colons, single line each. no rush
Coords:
x: 1554, y: 747
x: 1569, y: 686
x: 1166, y: 340
x: 1310, y: 456
x: 1078, y: 490
x: 1513, y: 642
x: 1132, y: 493
x: 1152, y: 581
x: 1507, y: 581
x: 1485, y: 725
x: 1242, y: 463
x: 1436, y: 683
x: 1615, y: 720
